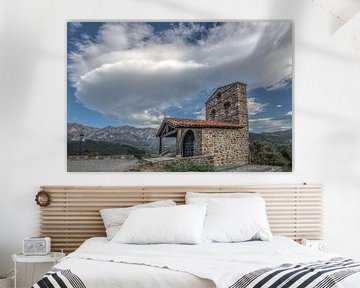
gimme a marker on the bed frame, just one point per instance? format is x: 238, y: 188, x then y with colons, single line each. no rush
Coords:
x: 73, y: 214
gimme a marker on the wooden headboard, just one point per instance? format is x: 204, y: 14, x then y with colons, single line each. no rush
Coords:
x: 73, y: 215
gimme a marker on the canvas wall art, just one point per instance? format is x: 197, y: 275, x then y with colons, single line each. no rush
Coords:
x: 179, y: 96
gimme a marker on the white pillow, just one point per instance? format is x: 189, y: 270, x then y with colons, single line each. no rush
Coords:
x: 180, y: 224
x: 236, y: 220
x: 204, y: 198
x: 113, y: 218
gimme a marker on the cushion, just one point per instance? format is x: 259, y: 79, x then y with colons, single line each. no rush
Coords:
x: 172, y: 225
x: 236, y: 220
x: 203, y: 198
x: 113, y: 218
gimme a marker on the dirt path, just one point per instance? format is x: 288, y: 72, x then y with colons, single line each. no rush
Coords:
x: 101, y: 165
x: 256, y: 168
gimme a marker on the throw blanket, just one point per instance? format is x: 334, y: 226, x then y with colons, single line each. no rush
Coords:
x: 320, y: 274
x: 59, y: 278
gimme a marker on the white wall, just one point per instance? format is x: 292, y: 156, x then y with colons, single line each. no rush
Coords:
x: 33, y: 109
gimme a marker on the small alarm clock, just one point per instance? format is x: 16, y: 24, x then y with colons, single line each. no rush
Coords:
x: 36, y: 246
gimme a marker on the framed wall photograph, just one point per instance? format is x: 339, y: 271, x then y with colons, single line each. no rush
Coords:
x: 179, y: 96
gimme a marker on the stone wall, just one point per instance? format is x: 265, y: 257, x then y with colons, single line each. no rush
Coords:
x: 229, y: 104
x: 226, y: 146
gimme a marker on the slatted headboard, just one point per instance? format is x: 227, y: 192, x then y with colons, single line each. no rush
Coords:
x: 73, y: 215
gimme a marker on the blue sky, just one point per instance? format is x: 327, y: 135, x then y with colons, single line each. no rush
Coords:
x: 137, y: 73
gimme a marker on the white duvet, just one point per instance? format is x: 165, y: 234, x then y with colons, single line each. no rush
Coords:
x: 100, y: 263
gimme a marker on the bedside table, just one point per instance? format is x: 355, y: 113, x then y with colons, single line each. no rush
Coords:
x: 53, y: 257
x: 320, y: 245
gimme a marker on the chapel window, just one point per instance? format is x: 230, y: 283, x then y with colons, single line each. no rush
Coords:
x: 212, y: 114
x: 227, y: 108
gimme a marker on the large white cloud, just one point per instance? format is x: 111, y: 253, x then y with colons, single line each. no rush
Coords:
x: 129, y: 72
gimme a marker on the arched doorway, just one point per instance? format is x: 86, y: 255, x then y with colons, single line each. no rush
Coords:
x: 188, y: 144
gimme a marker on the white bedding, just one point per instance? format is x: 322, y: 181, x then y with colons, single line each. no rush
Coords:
x: 100, y: 263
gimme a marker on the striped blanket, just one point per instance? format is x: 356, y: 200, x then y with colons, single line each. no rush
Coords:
x: 320, y: 274
x: 59, y: 278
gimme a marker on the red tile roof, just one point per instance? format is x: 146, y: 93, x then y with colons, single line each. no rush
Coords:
x: 178, y: 122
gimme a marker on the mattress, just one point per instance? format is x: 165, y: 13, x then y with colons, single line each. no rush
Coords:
x: 99, y: 263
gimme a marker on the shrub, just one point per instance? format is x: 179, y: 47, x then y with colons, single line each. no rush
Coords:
x: 266, y: 153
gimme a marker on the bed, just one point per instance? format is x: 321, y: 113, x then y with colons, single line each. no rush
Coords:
x: 99, y: 263
x: 294, y: 211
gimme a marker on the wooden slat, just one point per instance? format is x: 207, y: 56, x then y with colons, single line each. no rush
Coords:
x: 73, y: 216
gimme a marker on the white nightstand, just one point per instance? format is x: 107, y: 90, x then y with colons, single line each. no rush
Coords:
x: 53, y: 257
x: 320, y: 245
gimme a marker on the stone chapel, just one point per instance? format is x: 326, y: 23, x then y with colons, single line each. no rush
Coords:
x: 221, y: 139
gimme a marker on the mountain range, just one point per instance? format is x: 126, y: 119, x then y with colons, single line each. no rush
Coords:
x: 145, y: 138
x: 276, y: 137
